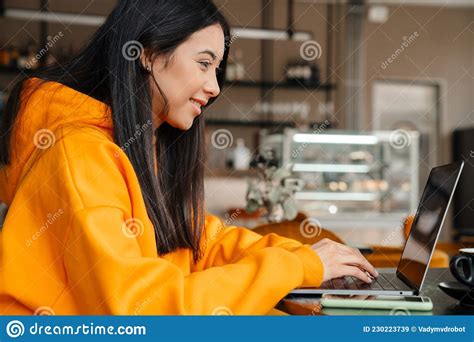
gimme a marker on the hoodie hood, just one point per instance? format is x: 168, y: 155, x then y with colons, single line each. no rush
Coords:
x: 46, y: 106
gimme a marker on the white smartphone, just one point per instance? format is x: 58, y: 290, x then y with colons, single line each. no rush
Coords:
x: 386, y: 302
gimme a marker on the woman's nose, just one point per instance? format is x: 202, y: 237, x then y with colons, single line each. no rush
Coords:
x: 212, y: 87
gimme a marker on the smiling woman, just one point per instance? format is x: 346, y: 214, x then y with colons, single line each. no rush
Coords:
x: 189, y: 80
x: 115, y: 68
x: 132, y: 235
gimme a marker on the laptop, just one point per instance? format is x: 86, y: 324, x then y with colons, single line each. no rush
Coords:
x: 419, y: 247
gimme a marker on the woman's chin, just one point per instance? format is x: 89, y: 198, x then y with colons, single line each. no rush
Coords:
x: 183, y: 125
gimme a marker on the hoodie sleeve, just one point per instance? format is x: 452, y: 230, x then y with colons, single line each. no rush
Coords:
x: 111, y: 267
x: 227, y: 244
x: 108, y: 274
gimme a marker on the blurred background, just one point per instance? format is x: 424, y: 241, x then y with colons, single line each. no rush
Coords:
x: 333, y: 111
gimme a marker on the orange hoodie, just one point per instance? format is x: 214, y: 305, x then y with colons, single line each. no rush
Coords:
x: 77, y: 239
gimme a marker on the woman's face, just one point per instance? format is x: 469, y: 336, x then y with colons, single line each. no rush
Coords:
x: 189, y: 80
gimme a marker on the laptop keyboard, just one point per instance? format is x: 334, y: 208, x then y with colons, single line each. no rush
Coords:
x: 353, y: 283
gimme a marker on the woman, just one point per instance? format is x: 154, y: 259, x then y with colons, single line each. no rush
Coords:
x: 103, y: 179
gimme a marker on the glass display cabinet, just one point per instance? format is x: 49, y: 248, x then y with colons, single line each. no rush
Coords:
x: 373, y: 177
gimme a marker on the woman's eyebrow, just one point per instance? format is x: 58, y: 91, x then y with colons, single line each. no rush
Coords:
x: 210, y: 53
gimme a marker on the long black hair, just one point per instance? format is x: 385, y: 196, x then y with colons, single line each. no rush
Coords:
x: 172, y: 186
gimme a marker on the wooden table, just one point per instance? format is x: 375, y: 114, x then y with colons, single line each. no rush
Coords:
x: 442, y: 303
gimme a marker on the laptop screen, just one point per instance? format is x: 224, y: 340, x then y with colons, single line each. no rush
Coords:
x: 427, y: 223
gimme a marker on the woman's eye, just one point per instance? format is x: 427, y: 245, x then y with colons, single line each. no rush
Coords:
x: 205, y: 64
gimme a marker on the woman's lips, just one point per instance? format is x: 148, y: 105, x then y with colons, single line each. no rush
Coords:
x: 196, y: 106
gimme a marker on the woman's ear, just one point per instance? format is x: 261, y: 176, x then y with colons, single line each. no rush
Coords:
x: 150, y: 62
x: 145, y: 61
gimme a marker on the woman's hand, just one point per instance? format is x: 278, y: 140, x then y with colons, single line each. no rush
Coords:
x: 340, y: 260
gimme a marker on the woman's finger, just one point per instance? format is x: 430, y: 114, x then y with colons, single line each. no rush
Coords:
x: 355, y: 272
x: 373, y: 271
x: 361, y: 261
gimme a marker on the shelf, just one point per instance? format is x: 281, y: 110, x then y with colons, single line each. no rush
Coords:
x: 344, y: 168
x: 239, y: 84
x: 336, y: 196
x: 281, y: 85
x: 254, y: 123
x: 344, y: 139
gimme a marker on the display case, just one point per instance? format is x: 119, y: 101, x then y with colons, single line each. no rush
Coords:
x: 351, y: 175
